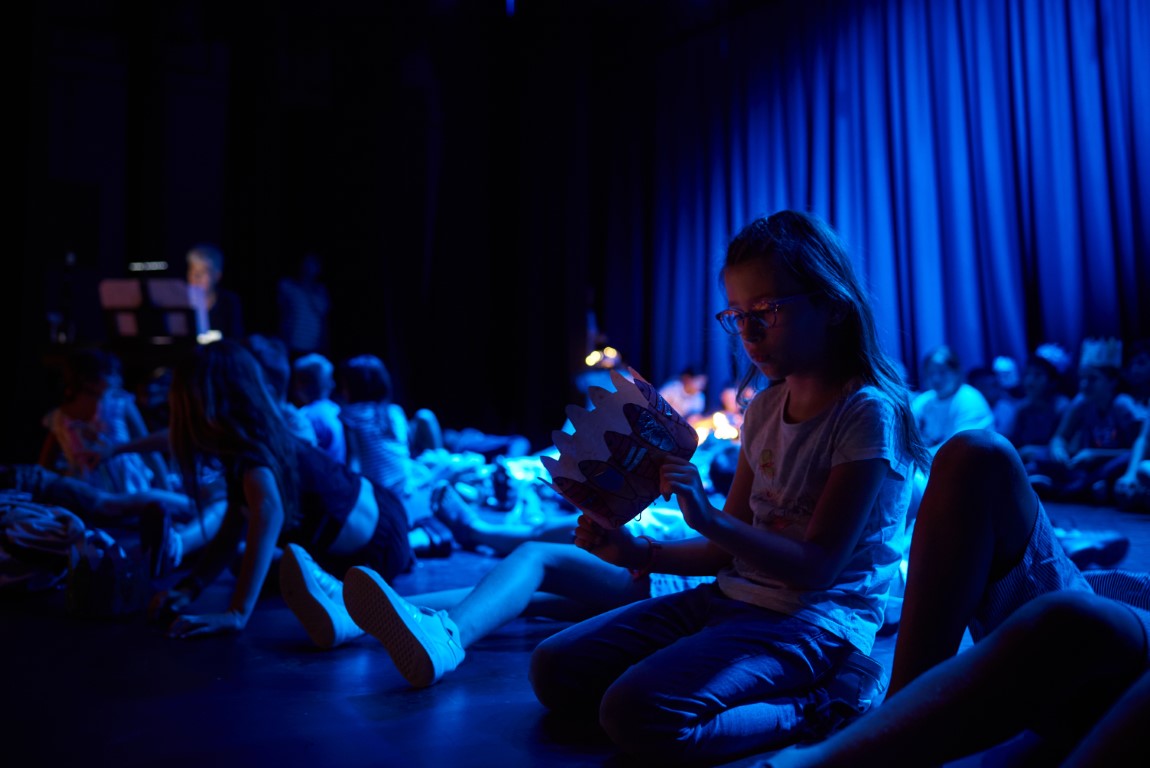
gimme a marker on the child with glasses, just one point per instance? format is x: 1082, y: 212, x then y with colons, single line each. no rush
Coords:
x: 802, y: 548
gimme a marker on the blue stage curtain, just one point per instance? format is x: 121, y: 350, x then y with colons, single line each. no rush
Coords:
x: 987, y: 163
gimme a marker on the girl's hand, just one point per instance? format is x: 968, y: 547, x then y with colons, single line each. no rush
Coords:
x: 206, y: 624
x: 617, y: 547
x: 681, y: 478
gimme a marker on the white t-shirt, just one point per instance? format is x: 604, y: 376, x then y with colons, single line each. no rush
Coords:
x: 939, y: 419
x: 791, y: 463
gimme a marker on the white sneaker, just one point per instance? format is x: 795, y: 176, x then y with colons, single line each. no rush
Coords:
x: 316, y: 598
x: 423, y: 644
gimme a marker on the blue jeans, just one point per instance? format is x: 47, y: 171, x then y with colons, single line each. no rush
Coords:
x: 688, y: 676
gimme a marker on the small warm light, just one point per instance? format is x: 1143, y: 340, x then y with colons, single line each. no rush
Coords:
x: 605, y: 357
x: 208, y: 337
x: 724, y: 429
x: 703, y: 430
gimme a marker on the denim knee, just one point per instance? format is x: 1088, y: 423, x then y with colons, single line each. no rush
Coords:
x: 639, y: 722
x: 550, y: 678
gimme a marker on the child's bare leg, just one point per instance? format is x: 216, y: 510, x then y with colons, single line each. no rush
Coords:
x: 559, y: 569
x: 973, y: 525
x: 541, y: 605
x: 198, y: 531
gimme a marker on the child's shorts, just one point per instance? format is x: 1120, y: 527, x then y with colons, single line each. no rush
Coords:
x: 1044, y: 567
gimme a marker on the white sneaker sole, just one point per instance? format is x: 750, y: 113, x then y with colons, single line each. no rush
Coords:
x: 371, y: 602
x: 298, y: 590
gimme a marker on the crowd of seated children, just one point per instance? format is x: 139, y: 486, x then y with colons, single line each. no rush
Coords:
x: 349, y: 504
x: 95, y: 415
x: 1091, y: 447
x: 101, y: 464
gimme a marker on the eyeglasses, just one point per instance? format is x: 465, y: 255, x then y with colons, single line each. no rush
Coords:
x: 766, y: 315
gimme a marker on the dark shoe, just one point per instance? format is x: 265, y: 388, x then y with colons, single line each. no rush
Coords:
x: 440, y: 541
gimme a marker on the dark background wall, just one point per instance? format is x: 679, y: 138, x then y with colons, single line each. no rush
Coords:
x: 458, y: 166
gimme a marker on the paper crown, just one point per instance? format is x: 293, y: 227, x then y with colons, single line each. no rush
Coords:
x: 1101, y: 353
x: 609, y: 466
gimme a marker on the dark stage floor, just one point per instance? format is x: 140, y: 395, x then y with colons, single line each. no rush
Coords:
x: 117, y: 692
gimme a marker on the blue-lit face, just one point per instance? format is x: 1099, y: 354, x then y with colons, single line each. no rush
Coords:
x: 796, y: 341
x: 201, y: 274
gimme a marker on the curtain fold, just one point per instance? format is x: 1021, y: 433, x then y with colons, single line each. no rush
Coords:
x: 986, y: 164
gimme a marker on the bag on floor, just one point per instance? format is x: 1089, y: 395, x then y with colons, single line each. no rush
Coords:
x: 35, y: 540
x: 103, y: 581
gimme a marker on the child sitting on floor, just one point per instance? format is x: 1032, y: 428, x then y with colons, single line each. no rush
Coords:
x: 1091, y: 446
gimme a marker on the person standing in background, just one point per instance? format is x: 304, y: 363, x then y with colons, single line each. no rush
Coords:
x: 223, y: 307
x: 304, y: 303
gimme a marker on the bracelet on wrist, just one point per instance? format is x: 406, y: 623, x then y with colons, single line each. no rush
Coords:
x: 653, y: 548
